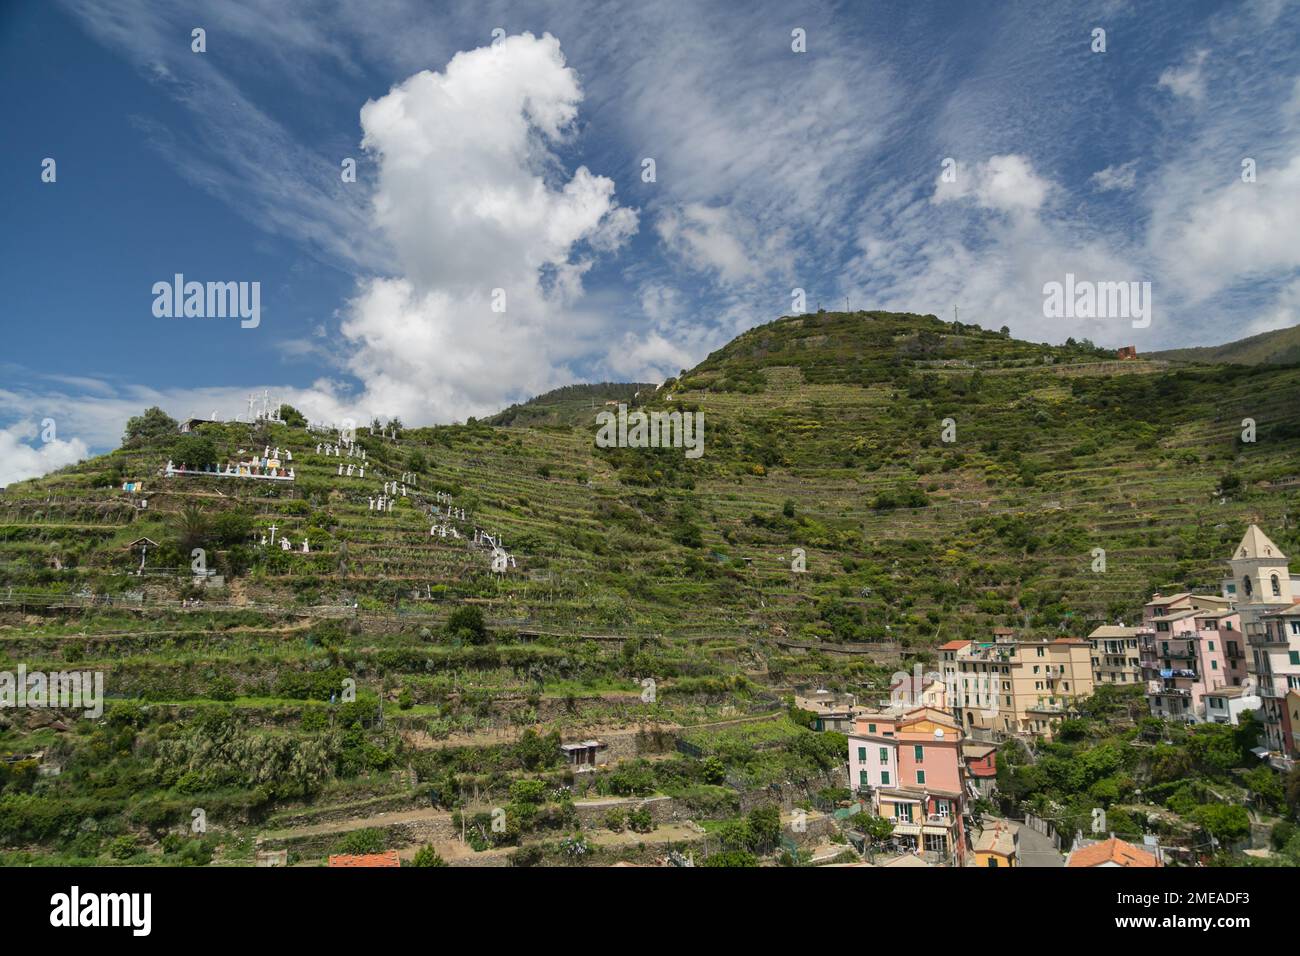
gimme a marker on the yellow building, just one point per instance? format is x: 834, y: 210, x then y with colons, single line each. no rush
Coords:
x: 1117, y: 654
x: 1017, y: 686
x: 997, y: 846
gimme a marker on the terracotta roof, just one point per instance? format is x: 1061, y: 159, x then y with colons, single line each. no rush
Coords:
x: 953, y: 645
x: 387, y: 858
x: 1111, y: 851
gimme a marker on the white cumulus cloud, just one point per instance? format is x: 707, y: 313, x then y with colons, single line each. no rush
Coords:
x: 474, y: 202
x: 20, y: 460
x: 1005, y: 183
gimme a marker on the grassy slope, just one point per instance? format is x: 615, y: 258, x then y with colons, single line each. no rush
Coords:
x: 643, y: 563
x: 1279, y: 347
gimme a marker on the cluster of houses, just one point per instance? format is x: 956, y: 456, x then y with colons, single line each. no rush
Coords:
x: 1211, y: 657
x: 923, y: 757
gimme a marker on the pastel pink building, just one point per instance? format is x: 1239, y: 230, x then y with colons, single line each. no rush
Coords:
x: 1195, y: 645
x: 910, y: 767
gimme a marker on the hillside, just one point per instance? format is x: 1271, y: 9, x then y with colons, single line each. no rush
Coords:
x: 822, y: 432
x: 571, y: 404
x: 1279, y: 347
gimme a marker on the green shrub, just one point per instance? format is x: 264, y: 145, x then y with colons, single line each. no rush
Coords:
x: 427, y: 856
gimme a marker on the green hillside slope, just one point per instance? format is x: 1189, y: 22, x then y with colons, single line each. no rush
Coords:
x: 1279, y: 347
x: 822, y: 432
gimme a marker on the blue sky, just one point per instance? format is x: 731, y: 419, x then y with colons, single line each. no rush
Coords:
x: 517, y: 165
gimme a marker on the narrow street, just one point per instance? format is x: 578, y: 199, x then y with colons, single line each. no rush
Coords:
x: 1036, y: 849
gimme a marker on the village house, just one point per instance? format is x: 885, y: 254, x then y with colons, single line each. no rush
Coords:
x: 981, y: 760
x: 1016, y: 685
x: 1187, y: 654
x: 948, y: 661
x: 1227, y: 704
x: 1116, y: 654
x: 1262, y: 590
x: 997, y: 846
x: 919, y: 690
x: 1111, y: 853
x: 1276, y: 650
x: 909, y: 767
x: 586, y: 755
x: 830, y: 711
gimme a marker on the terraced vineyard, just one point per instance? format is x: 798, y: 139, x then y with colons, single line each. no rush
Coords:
x: 823, y: 432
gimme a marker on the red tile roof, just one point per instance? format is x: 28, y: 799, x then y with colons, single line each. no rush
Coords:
x: 387, y: 858
x: 953, y: 645
x: 1112, y: 851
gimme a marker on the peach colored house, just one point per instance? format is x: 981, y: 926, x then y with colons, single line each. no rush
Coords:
x: 910, y: 766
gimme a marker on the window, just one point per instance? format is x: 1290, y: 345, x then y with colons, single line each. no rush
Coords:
x: 903, y: 811
x: 919, y: 753
x: 862, y: 779
x: 1247, y: 586
x: 920, y: 776
x: 993, y: 862
x: 1295, y: 657
x: 943, y: 808
x: 1214, y: 665
x: 1211, y: 643
x: 884, y: 755
x: 1276, y: 585
x: 871, y: 728
x: 862, y: 755
x: 1040, y: 652
x: 1295, y: 627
